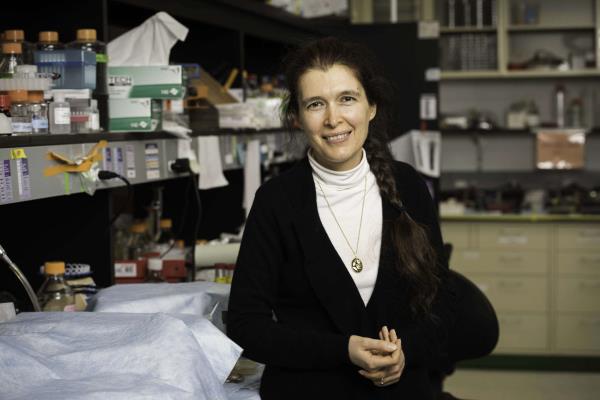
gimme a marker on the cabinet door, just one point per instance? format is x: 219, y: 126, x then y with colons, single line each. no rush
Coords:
x: 514, y: 236
x: 579, y: 332
x: 578, y: 294
x: 582, y: 262
x: 520, y: 333
x: 456, y: 233
x: 580, y: 236
x: 500, y: 262
x: 522, y: 294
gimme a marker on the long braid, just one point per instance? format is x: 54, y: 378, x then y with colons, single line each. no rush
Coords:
x: 416, y: 259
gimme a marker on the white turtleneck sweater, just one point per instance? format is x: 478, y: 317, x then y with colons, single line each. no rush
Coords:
x: 344, y: 191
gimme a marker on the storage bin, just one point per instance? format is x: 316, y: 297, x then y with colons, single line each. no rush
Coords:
x: 76, y: 68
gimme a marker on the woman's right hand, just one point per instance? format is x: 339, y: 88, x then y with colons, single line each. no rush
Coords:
x: 372, y: 354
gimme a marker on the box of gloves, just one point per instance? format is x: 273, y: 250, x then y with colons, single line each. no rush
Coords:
x: 155, y: 81
x: 130, y: 115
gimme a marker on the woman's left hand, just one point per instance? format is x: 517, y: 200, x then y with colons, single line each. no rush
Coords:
x: 390, y: 375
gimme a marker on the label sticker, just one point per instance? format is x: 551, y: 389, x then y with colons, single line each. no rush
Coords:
x: 118, y: 160
x: 130, y: 161
x: 15, y: 154
x: 6, y: 189
x: 23, y: 179
x: 107, y: 159
x: 428, y: 107
x: 125, y: 270
x: 152, y: 161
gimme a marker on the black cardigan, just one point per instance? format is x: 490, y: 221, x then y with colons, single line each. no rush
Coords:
x: 293, y: 304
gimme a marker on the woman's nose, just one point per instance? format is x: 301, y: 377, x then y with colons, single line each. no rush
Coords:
x: 332, y: 118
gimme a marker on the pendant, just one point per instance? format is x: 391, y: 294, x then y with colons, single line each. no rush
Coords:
x: 357, y: 265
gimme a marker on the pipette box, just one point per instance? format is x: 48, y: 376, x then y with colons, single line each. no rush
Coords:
x: 74, y: 69
x: 157, y: 82
x: 130, y: 115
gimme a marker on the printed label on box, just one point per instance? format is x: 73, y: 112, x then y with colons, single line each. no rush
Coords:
x: 130, y: 161
x: 107, y: 161
x: 152, y: 161
x: 118, y: 160
x: 125, y: 270
x: 6, y: 189
x: 23, y: 179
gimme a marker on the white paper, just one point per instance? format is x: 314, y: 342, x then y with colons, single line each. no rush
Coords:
x: 251, y: 173
x: 421, y: 149
x: 209, y: 158
x: 148, y: 44
x: 88, y: 355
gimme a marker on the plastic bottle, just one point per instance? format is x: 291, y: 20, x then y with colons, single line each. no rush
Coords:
x: 60, y: 115
x: 48, y: 41
x: 11, y: 57
x: 5, y: 119
x: 20, y: 118
x: 18, y: 36
x: 55, y: 294
x: 87, y: 40
x: 38, y: 111
x: 165, y: 237
x: 154, y: 273
x: 138, y: 243
x: 559, y: 106
x: 93, y: 124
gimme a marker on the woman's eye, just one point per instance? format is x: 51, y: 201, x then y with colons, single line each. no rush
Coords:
x: 347, y: 99
x: 314, y: 105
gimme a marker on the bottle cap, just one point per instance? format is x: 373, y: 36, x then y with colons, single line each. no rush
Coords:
x: 11, y: 47
x: 138, y: 228
x: 48, y: 37
x: 4, y: 101
x: 18, y: 96
x: 58, y: 97
x: 54, y: 267
x: 14, y: 35
x: 86, y: 35
x: 35, y: 96
x: 155, y: 264
x: 166, y: 223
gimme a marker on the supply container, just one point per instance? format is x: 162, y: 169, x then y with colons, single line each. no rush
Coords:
x: 20, y: 118
x: 77, y: 68
x: 55, y: 294
x: 11, y: 57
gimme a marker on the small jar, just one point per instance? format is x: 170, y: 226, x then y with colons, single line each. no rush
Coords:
x: 19, y: 110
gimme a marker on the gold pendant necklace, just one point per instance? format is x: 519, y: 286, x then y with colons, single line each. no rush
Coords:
x: 357, y: 265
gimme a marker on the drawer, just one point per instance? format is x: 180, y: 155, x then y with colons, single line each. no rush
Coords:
x: 578, y: 294
x: 514, y: 236
x: 580, y: 236
x: 579, y: 262
x: 456, y: 233
x: 578, y: 333
x: 522, y: 332
x: 500, y: 262
x: 522, y: 294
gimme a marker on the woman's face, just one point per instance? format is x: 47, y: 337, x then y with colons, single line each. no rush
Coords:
x: 334, y: 113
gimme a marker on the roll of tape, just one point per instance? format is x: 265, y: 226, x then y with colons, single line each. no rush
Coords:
x: 208, y: 255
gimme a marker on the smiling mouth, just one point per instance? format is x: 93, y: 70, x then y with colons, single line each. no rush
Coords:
x: 337, y: 137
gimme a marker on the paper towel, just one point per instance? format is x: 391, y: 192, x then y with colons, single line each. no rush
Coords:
x: 148, y: 44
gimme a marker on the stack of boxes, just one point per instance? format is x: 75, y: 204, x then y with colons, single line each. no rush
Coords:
x: 136, y: 96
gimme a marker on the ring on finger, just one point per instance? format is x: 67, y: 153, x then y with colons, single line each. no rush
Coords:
x: 381, y: 381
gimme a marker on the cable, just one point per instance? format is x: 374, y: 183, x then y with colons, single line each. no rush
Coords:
x: 104, y: 175
x: 197, y: 224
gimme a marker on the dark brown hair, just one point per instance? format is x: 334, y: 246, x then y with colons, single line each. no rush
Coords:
x: 416, y: 259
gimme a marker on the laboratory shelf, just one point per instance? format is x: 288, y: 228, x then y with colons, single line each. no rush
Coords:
x: 75, y: 138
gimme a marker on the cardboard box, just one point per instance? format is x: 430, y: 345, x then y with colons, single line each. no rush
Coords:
x: 156, y: 82
x: 561, y: 149
x: 130, y: 115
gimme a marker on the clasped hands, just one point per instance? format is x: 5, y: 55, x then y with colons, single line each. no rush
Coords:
x: 382, y: 361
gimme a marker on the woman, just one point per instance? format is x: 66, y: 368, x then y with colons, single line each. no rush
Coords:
x: 341, y: 288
